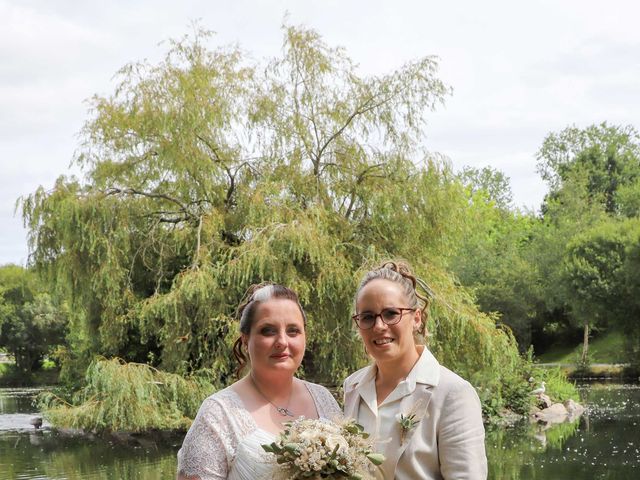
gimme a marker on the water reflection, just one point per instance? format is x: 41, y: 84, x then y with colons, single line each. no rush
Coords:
x: 44, y: 454
x: 604, y: 443
x: 49, y: 455
x: 17, y: 400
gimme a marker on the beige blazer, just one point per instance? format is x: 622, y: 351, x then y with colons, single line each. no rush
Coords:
x: 448, y: 441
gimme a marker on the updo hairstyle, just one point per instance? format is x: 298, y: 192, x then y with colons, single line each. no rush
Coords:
x: 256, y: 295
x: 399, y: 272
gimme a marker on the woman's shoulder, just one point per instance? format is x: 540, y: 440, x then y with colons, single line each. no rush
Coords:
x: 213, y: 437
x: 449, y: 377
x: 221, y: 401
x: 224, y: 411
x: 326, y: 403
x: 317, y: 390
x: 219, y: 396
x: 316, y: 387
x: 452, y: 382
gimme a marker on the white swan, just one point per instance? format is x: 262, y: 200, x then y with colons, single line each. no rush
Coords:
x: 540, y: 390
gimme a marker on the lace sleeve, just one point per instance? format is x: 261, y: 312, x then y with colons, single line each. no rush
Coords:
x: 326, y: 404
x: 206, y: 446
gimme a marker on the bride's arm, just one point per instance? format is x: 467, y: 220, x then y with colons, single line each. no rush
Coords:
x: 203, y: 455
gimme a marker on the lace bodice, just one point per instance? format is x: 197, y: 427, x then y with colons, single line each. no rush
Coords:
x: 225, y: 442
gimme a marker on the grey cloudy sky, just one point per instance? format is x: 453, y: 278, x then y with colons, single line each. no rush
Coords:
x: 519, y: 70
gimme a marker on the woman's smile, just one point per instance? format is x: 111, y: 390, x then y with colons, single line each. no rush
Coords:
x: 383, y: 341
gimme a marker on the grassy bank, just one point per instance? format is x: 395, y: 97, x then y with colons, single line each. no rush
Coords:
x: 597, y: 370
x: 606, y: 354
x: 608, y: 348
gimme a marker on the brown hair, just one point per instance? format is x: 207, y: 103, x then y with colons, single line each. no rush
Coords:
x: 399, y: 272
x: 256, y: 295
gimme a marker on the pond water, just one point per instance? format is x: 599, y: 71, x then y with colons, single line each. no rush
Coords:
x: 603, y: 444
x: 47, y: 455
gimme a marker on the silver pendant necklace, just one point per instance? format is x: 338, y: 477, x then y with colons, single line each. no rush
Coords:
x: 284, y: 411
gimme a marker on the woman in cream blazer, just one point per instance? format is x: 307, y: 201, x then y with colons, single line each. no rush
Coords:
x: 425, y: 419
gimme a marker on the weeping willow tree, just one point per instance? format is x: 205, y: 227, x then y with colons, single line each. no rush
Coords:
x: 120, y: 396
x: 209, y: 172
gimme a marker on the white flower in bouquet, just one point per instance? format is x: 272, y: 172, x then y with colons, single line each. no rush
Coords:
x: 337, y: 442
x: 311, y: 448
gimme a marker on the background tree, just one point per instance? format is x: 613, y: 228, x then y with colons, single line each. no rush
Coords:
x: 592, y: 174
x: 526, y: 268
x: 628, y: 199
x: 208, y: 172
x: 606, y: 157
x: 566, y: 214
x: 492, y: 258
x: 592, y: 267
x: 31, y: 325
x: 490, y: 183
x: 629, y: 312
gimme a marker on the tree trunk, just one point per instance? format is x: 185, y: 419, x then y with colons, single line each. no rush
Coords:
x: 585, y: 344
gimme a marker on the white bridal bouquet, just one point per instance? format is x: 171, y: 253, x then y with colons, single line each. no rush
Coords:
x: 312, y: 449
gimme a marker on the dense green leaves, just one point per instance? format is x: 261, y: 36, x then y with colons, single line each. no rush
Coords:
x: 629, y: 312
x: 605, y: 158
x: 593, y: 174
x: 129, y: 397
x: 488, y: 183
x: 31, y: 324
x: 549, y: 275
x: 495, y: 260
x: 592, y: 269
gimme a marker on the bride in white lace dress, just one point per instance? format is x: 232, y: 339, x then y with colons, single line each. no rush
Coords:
x: 226, y: 436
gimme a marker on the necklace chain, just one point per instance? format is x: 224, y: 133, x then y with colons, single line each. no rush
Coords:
x: 284, y: 411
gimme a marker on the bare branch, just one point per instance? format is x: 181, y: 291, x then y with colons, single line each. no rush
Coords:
x: 164, y: 196
x: 211, y: 147
x: 367, y: 106
x: 359, y: 180
x: 196, y: 255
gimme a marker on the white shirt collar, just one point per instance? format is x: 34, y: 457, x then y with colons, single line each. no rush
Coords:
x: 426, y: 371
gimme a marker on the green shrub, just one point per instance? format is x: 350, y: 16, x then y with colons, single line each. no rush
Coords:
x: 133, y: 397
x: 558, y: 387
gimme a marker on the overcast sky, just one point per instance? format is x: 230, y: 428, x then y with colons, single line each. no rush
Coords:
x: 519, y: 70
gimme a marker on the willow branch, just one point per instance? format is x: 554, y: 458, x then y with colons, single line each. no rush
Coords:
x: 163, y: 196
x: 194, y: 265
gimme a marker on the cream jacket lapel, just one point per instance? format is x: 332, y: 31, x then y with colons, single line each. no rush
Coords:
x: 352, y: 393
x: 416, y: 404
x: 424, y: 376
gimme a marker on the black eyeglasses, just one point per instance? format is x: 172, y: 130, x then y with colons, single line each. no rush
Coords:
x: 390, y: 316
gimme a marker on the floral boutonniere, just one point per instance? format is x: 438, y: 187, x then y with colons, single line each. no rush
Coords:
x: 407, y: 423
